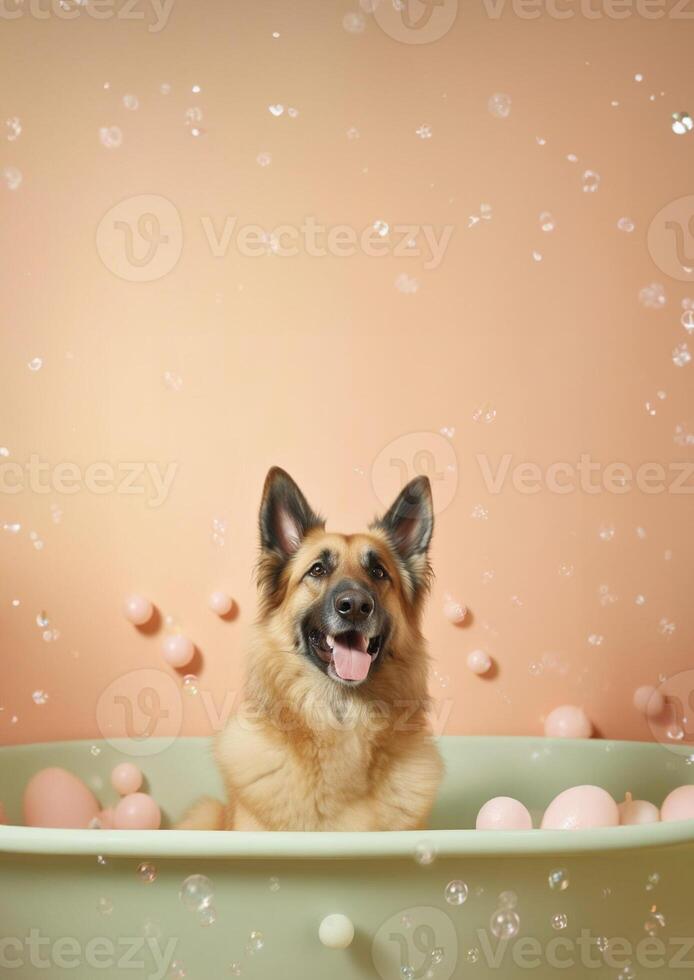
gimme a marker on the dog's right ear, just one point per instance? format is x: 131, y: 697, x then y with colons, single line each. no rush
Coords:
x: 285, y: 515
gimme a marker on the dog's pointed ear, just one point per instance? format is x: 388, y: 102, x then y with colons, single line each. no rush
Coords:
x: 409, y: 525
x: 285, y: 515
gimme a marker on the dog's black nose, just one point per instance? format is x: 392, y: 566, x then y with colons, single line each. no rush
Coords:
x: 354, y: 605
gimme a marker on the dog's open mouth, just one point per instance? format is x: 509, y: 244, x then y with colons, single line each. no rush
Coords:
x: 350, y: 654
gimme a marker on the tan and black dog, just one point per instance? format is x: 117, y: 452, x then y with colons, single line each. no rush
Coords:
x: 332, y: 732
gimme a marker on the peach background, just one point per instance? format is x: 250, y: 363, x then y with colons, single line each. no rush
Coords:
x: 319, y: 363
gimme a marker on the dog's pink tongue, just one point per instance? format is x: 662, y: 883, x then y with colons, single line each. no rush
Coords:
x: 351, y: 663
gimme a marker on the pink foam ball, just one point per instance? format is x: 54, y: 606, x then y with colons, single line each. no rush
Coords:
x: 678, y: 805
x: 221, y: 603
x: 649, y: 701
x: 504, y: 813
x: 178, y: 650
x: 137, y: 609
x: 637, y: 812
x: 479, y: 662
x: 568, y: 721
x: 126, y: 778
x: 454, y: 611
x: 580, y: 807
x: 137, y: 811
x: 57, y: 798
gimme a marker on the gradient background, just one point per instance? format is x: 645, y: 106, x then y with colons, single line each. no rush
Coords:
x: 322, y: 364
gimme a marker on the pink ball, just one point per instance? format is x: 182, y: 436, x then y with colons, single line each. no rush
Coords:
x: 649, y: 701
x: 479, y: 662
x: 137, y: 609
x: 568, y: 721
x: 178, y: 650
x: 453, y: 610
x: 580, y: 807
x: 137, y: 811
x: 57, y: 798
x: 637, y: 812
x: 504, y: 813
x: 221, y: 603
x: 126, y: 778
x: 678, y: 805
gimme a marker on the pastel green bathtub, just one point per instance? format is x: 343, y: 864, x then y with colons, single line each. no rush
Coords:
x: 75, y: 904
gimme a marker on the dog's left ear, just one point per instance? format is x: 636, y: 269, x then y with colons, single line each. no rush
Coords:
x: 285, y: 515
x: 409, y: 525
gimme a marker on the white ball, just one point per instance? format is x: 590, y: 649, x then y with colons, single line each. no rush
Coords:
x: 336, y: 931
x: 479, y: 662
x: 221, y: 603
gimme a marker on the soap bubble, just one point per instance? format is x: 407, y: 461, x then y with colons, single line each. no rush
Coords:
x: 559, y: 921
x: 131, y: 102
x: 652, y: 296
x: 500, y: 105
x: 104, y: 906
x: 276, y: 109
x: 406, y: 284
x: 256, y: 941
x: 235, y: 969
x: 39, y: 697
x: 558, y: 879
x: 425, y: 852
x: 190, y: 685
x: 147, y: 872
x: 353, y: 22
x: 508, y: 900
x: 274, y: 884
x: 687, y: 320
x: 14, y: 128
x: 407, y: 972
x: 424, y: 131
x: 547, y: 222
x: 264, y: 159
x: 196, y: 893
x: 681, y: 123
x: 456, y: 892
x: 654, y: 923
x: 681, y: 355
x: 591, y: 181
x: 35, y: 364
x: 12, y: 177
x: 626, y: 224
x: 652, y: 880
x: 504, y: 923
x: 381, y: 228
x: 472, y: 955
x: 485, y: 414
x: 111, y: 137
x: 606, y: 532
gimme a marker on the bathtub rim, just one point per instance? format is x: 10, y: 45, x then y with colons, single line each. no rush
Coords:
x: 240, y: 845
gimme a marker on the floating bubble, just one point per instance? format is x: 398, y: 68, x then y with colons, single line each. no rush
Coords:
x: 559, y: 921
x: 652, y: 296
x: 207, y: 916
x: 547, y: 222
x: 626, y: 224
x: 131, y: 102
x: 424, y: 131
x: 39, y: 697
x: 12, y: 177
x: 499, y: 105
x: 196, y: 893
x: 654, y: 923
x: 235, y: 969
x: 190, y: 685
x: 104, y: 906
x: 111, y: 137
x: 147, y: 872
x: 274, y: 884
x: 256, y: 941
x: 14, y: 128
x: 381, y: 228
x: 508, y: 900
x: 353, y: 22
x: 276, y: 109
x: 456, y: 892
x: 406, y: 284
x: 558, y: 880
x: 486, y: 414
x: 264, y: 159
x: 537, y: 256
x: 591, y: 181
x: 652, y: 881
x: 407, y: 972
x: 687, y: 320
x: 606, y: 532
x: 472, y: 955
x: 425, y: 852
x: 596, y: 640
x: 682, y: 123
x: 504, y: 923
x: 681, y: 355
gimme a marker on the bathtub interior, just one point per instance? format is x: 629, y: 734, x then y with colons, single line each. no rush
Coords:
x: 283, y: 886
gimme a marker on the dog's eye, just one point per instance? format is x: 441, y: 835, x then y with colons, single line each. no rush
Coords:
x: 317, y: 569
x: 378, y: 571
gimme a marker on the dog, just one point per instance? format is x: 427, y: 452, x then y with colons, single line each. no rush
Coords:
x: 332, y: 732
